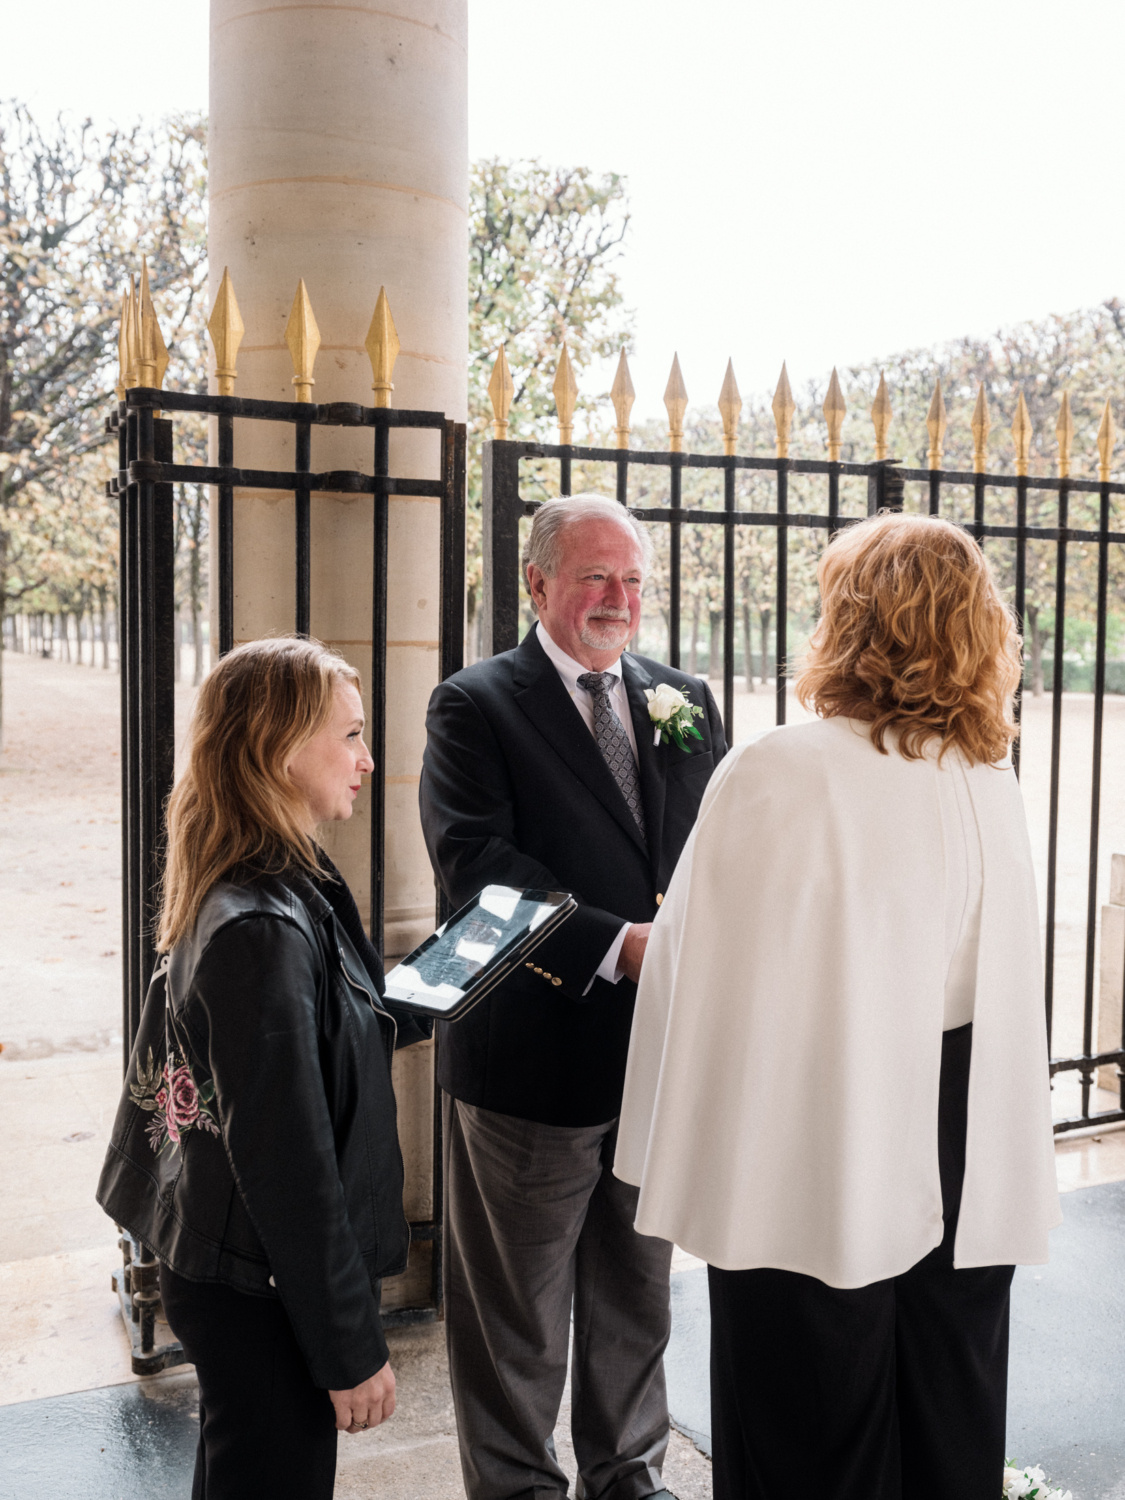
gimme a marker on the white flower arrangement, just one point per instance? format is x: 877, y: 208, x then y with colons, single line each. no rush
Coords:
x: 1030, y: 1484
x: 672, y: 715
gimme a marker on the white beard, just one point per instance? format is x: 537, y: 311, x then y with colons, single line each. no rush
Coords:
x: 604, y: 634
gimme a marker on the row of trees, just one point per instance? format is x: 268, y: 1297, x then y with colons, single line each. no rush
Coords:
x: 1083, y: 353
x: 78, y: 206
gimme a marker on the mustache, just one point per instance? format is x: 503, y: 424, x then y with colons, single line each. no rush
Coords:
x: 607, y: 612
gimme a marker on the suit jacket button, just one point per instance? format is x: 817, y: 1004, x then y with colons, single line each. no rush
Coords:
x: 529, y: 966
x: 556, y: 980
x: 538, y: 970
x: 546, y: 975
x: 659, y: 898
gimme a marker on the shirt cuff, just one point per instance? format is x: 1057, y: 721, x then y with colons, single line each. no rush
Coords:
x: 608, y: 969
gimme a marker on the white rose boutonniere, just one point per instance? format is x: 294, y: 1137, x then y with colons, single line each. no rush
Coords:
x: 672, y: 715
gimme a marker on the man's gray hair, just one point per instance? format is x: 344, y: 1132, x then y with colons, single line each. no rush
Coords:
x: 544, y: 544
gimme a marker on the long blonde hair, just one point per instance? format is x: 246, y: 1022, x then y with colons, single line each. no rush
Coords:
x: 235, y: 804
x: 914, y: 637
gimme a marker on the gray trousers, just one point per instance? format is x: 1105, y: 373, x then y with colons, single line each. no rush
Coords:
x: 535, y: 1222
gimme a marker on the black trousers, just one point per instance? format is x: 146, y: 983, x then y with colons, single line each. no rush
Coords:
x: 265, y: 1431
x: 874, y: 1393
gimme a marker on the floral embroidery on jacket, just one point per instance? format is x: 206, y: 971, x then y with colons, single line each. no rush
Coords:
x: 176, y: 1103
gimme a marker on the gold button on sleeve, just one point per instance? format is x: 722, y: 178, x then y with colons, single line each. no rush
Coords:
x: 659, y: 898
x: 556, y: 980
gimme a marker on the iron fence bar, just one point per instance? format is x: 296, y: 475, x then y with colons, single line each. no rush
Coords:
x: 330, y: 414
x: 333, y: 481
x: 674, y: 540
x: 1082, y: 1122
x: 1095, y: 796
x: 225, y: 519
x: 380, y: 542
x: 833, y: 499
x: 728, y: 610
x: 146, y: 643
x: 978, y: 507
x: 302, y: 462
x: 451, y: 649
x: 935, y: 490
x: 130, y: 721
x: 622, y: 480
x: 781, y: 645
x: 500, y: 536
x: 1087, y: 1060
x: 662, y: 459
x: 1020, y: 603
x: 564, y: 473
x: 1056, y: 751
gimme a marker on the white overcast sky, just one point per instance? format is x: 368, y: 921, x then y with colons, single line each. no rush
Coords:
x: 820, y: 181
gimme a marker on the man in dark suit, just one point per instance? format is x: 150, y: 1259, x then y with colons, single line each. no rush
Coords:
x: 541, y: 770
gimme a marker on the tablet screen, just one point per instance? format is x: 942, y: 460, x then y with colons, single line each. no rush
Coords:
x: 478, y: 938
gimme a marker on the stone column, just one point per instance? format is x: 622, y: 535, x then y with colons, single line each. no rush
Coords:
x: 338, y: 153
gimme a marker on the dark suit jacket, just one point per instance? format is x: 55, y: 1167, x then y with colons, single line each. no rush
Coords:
x: 515, y: 791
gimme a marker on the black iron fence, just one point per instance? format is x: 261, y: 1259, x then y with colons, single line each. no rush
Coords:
x: 146, y: 474
x: 993, y: 507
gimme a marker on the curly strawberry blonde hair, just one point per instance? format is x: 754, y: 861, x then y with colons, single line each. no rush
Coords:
x: 914, y: 639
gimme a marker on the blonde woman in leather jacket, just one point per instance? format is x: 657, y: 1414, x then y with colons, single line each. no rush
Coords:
x: 255, y: 1148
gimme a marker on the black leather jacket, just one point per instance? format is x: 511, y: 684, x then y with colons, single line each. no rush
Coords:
x: 266, y: 1157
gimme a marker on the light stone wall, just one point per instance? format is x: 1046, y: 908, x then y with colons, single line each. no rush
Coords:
x: 338, y: 153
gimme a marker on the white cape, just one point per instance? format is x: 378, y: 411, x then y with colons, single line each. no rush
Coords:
x: 781, y: 1098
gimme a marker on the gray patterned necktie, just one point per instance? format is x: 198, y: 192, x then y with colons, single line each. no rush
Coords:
x: 613, y: 742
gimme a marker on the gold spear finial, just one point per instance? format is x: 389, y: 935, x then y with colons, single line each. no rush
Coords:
x: 303, y: 337
x: 565, y: 390
x: 124, y: 358
x: 382, y: 347
x: 1064, y: 432
x: 981, y: 424
x: 152, y: 359
x: 783, y: 408
x: 936, y: 424
x: 835, y: 408
x: 881, y: 414
x: 1021, y: 435
x: 226, y: 328
x: 622, y: 394
x: 675, y: 402
x: 501, y: 389
x: 730, y: 404
x: 134, y: 332
x: 1107, y: 436
x: 146, y: 356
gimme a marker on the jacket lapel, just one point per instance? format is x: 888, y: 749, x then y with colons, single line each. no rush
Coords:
x: 540, y: 694
x: 650, y: 762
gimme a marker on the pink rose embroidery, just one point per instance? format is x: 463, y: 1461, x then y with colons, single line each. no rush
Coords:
x: 185, y: 1097
x: 177, y: 1105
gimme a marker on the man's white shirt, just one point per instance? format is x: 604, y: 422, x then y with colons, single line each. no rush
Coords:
x: 569, y: 671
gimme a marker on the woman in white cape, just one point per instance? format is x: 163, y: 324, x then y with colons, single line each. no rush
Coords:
x: 837, y: 1092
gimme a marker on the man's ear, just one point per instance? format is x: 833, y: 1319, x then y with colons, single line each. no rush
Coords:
x: 535, y: 585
